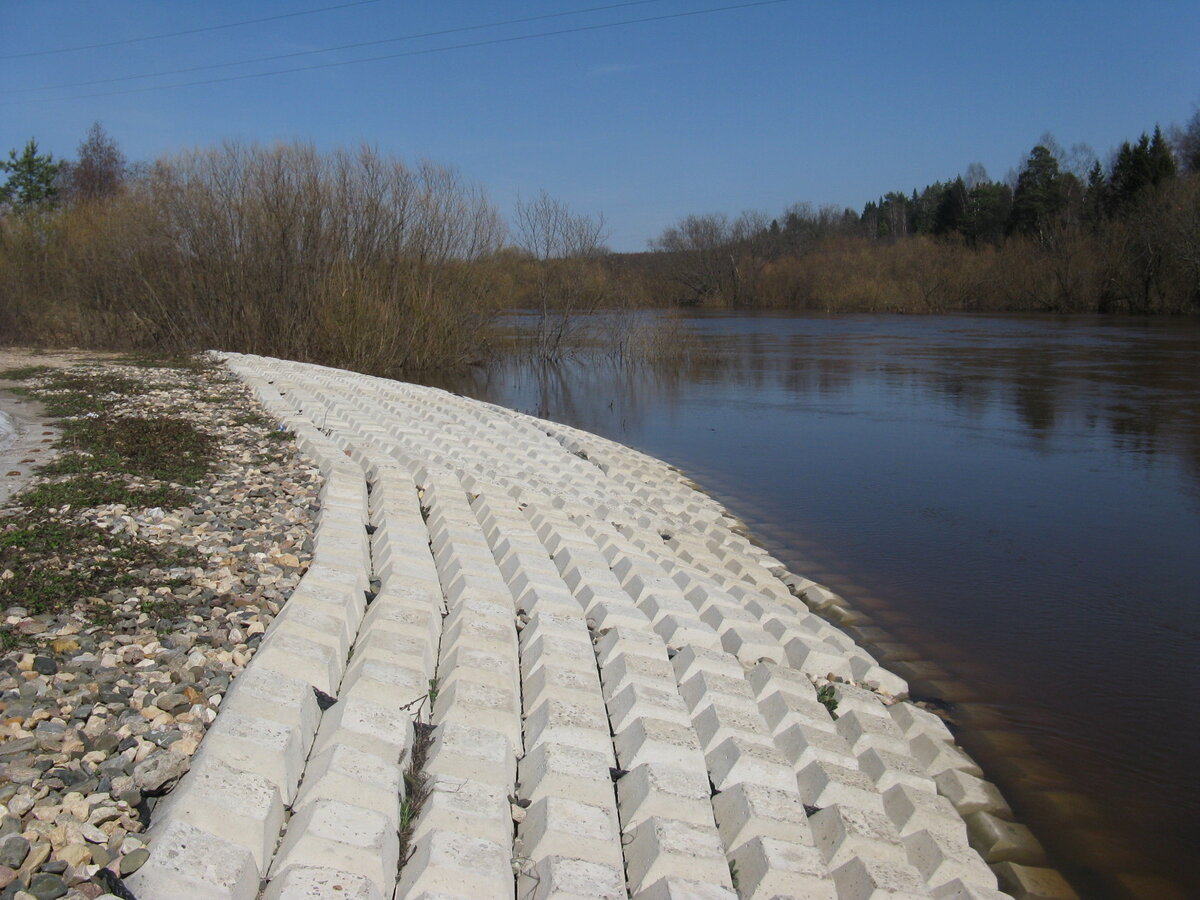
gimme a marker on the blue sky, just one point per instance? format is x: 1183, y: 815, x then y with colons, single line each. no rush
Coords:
x: 750, y: 108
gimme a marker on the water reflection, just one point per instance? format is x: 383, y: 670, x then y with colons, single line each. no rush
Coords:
x: 1014, y: 502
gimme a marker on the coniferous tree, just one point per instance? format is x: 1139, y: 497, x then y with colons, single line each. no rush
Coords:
x: 1038, y: 197
x: 31, y: 178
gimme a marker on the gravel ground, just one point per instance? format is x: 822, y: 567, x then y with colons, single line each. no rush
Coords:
x: 104, y: 699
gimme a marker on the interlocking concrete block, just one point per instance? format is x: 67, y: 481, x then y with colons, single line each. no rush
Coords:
x: 576, y: 682
x: 970, y: 794
x: 274, y: 696
x: 715, y: 722
x: 851, y: 697
x: 766, y: 678
x: 937, y: 756
x: 913, y: 810
x: 650, y: 740
x: 456, y: 865
x: 629, y: 641
x: 234, y: 806
x: 705, y: 687
x: 914, y: 720
x: 867, y: 671
x: 747, y: 811
x: 887, y: 769
x: 940, y: 860
x: 960, y: 890
x: 737, y: 760
x: 783, y: 708
x: 566, y: 878
x: 629, y: 668
x: 487, y: 662
x: 299, y: 657
x: 677, y: 888
x: 664, y: 791
x: 863, y: 730
x: 823, y: 784
x: 304, y: 882
x: 863, y: 878
x: 769, y: 868
x: 844, y: 832
x: 467, y: 807
x: 636, y: 700
x: 557, y: 826
x: 690, y: 661
x: 261, y: 747
x: 190, y: 861
x: 372, y: 679
x: 569, y: 722
x: 802, y: 743
x: 382, y: 730
x: 336, y: 835
x: 998, y: 840
x: 1033, y: 883
x: 749, y: 643
x: 353, y: 776
x: 473, y: 753
x: 558, y: 770
x: 667, y: 848
x: 468, y: 700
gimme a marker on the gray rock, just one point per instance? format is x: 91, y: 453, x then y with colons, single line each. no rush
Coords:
x: 45, y: 886
x: 133, y: 860
x: 44, y: 665
x: 13, y: 850
x: 159, y: 770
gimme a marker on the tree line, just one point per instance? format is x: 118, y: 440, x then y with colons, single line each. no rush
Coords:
x: 357, y: 259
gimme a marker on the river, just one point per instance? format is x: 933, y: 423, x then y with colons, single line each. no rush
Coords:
x: 1013, y: 504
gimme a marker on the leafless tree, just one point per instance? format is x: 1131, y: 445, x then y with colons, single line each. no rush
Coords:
x: 99, y: 172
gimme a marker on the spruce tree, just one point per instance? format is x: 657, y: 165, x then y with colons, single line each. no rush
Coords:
x: 31, y: 178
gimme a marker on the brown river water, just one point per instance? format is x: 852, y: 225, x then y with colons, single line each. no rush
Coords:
x: 1013, y: 504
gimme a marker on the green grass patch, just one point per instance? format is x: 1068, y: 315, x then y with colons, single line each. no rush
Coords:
x: 183, y: 361
x: 67, y: 393
x: 91, y: 491
x: 55, y: 565
x: 24, y: 373
x: 164, y: 449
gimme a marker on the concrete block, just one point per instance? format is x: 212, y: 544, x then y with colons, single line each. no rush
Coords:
x: 556, y: 826
x: 353, y: 776
x: 336, y: 835
x: 678, y: 888
x: 749, y: 643
x: 714, y: 723
x: 628, y: 668
x: 841, y: 833
x: 914, y: 810
x: 622, y: 641
x: 863, y: 878
x: 887, y: 769
x: 802, y: 743
x: 970, y: 794
x: 1032, y: 882
x: 768, y: 868
x: 705, y: 687
x: 565, y: 878
x: 577, y: 683
x: 665, y: 791
x: 867, y: 671
x: 650, y: 740
x: 469, y: 700
x: 303, y: 882
x: 637, y: 700
x: 274, y: 696
x: 823, y: 784
x: 665, y: 848
x: 300, y: 657
x: 232, y: 806
x: 940, y: 860
x: 473, y: 753
x: 189, y: 861
x: 998, y: 840
x: 455, y: 865
x: 937, y: 756
x: 375, y: 678
x: 851, y: 697
x: 691, y: 660
x: 747, y: 811
x: 261, y: 747
x: 960, y: 890
x: 737, y: 760
x: 864, y: 730
x: 374, y: 728
x: 467, y: 807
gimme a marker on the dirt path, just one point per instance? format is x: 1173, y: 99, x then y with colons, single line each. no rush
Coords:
x: 32, y: 436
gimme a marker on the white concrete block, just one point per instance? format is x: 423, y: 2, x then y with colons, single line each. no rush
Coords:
x: 648, y: 740
x: 679, y: 888
x: 189, y: 861
x: 565, y: 878
x: 556, y: 826
x: 937, y: 756
x: 914, y: 720
x: 887, y: 769
x: 737, y: 760
x: 692, y: 660
x: 960, y: 890
x: 384, y: 731
x: 473, y: 753
x: 864, y: 730
x: 971, y: 794
x: 747, y: 811
x: 666, y: 848
x: 346, y: 773
x: 714, y: 723
x: 336, y: 835
x: 467, y: 807
x: 823, y: 784
x: 261, y: 747
x: 769, y: 868
x: 637, y: 700
x: 456, y: 865
x: 664, y: 791
x: 568, y: 722
x: 802, y: 743
x: 303, y: 882
x: 914, y: 810
x: 940, y: 860
x: 844, y: 832
x: 863, y: 878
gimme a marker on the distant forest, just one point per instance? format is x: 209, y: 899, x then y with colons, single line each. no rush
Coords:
x: 1064, y: 233
x: 357, y: 259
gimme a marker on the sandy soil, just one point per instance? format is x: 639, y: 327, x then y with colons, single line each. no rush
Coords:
x: 30, y: 445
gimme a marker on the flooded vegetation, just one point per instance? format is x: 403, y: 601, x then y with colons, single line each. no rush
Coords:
x: 1011, y: 503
